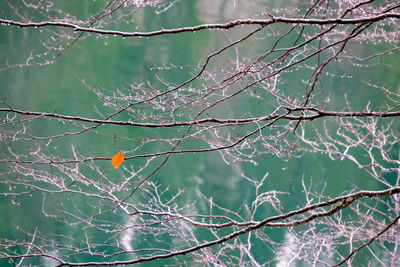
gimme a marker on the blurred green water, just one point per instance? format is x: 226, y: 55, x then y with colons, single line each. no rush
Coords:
x: 111, y: 62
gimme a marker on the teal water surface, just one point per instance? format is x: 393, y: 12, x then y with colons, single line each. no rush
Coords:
x: 112, y: 64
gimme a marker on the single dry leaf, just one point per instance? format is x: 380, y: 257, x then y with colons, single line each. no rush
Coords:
x: 117, y: 159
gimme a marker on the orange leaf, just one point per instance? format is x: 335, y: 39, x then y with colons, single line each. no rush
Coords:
x: 117, y: 159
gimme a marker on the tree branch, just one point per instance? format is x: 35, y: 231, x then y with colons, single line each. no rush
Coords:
x: 228, y: 25
x: 226, y: 122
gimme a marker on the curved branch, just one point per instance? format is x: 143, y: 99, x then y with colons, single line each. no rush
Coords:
x: 319, y: 114
x: 345, y: 201
x: 225, y: 26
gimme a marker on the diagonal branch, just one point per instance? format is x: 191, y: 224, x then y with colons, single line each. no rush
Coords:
x: 369, y: 242
x: 344, y: 200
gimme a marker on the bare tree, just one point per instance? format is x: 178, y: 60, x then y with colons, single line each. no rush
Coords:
x: 242, y: 102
